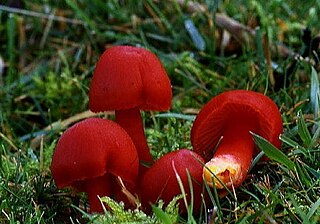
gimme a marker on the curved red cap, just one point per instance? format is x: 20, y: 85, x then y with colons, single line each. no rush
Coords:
x: 92, y: 148
x: 126, y: 77
x: 160, y: 181
x: 230, y: 108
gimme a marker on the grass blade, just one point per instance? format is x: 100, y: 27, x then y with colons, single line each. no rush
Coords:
x: 11, y: 33
x: 298, y: 148
x: 314, y: 208
x: 195, y: 35
x: 314, y: 92
x: 164, y: 217
x: 184, y: 194
x: 315, y: 173
x: 303, y: 130
x: 299, y: 211
x: 272, y: 152
x: 82, y: 15
x: 303, y: 175
x: 177, y: 115
x: 259, y: 44
x: 162, y: 17
x: 256, y: 159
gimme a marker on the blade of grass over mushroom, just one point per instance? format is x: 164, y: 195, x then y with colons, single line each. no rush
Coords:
x: 215, y: 178
x: 272, y: 152
x: 213, y: 195
x: 184, y: 195
x: 256, y: 159
x: 191, y: 192
x: 214, y: 199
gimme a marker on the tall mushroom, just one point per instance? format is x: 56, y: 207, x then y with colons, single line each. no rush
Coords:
x: 129, y: 79
x: 90, y: 155
x: 160, y: 181
x: 225, y: 123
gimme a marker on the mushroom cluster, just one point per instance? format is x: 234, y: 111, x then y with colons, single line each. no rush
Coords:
x: 94, y: 154
x: 103, y: 157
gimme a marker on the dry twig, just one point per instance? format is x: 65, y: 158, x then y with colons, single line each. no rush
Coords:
x: 35, y: 142
x: 243, y: 34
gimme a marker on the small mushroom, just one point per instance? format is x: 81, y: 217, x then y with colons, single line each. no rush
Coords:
x: 129, y: 79
x: 225, y: 124
x: 90, y: 155
x: 160, y: 181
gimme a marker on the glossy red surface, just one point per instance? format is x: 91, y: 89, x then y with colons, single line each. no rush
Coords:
x: 126, y: 77
x: 129, y: 79
x: 160, y: 181
x: 233, y: 115
x: 90, y: 153
x: 231, y: 109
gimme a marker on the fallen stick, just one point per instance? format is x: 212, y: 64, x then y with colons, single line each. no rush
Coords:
x: 60, y: 125
x: 242, y: 33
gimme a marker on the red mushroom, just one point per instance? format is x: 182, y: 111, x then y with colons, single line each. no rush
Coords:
x: 129, y: 79
x: 160, y: 181
x: 225, y: 122
x: 90, y: 155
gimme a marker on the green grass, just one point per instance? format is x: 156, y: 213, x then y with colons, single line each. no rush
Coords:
x: 49, y: 63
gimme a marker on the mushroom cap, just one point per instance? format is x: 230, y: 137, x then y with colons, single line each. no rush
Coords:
x: 126, y: 77
x: 160, y: 181
x: 92, y: 148
x: 233, y: 108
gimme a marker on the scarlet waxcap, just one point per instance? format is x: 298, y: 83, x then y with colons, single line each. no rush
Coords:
x: 126, y: 77
x: 93, y: 148
x: 230, y: 108
x: 160, y: 181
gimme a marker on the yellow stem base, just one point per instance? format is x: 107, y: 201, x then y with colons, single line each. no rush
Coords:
x: 224, y: 168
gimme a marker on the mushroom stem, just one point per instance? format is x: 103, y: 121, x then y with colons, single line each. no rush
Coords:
x: 99, y: 186
x: 233, y: 157
x: 131, y: 121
